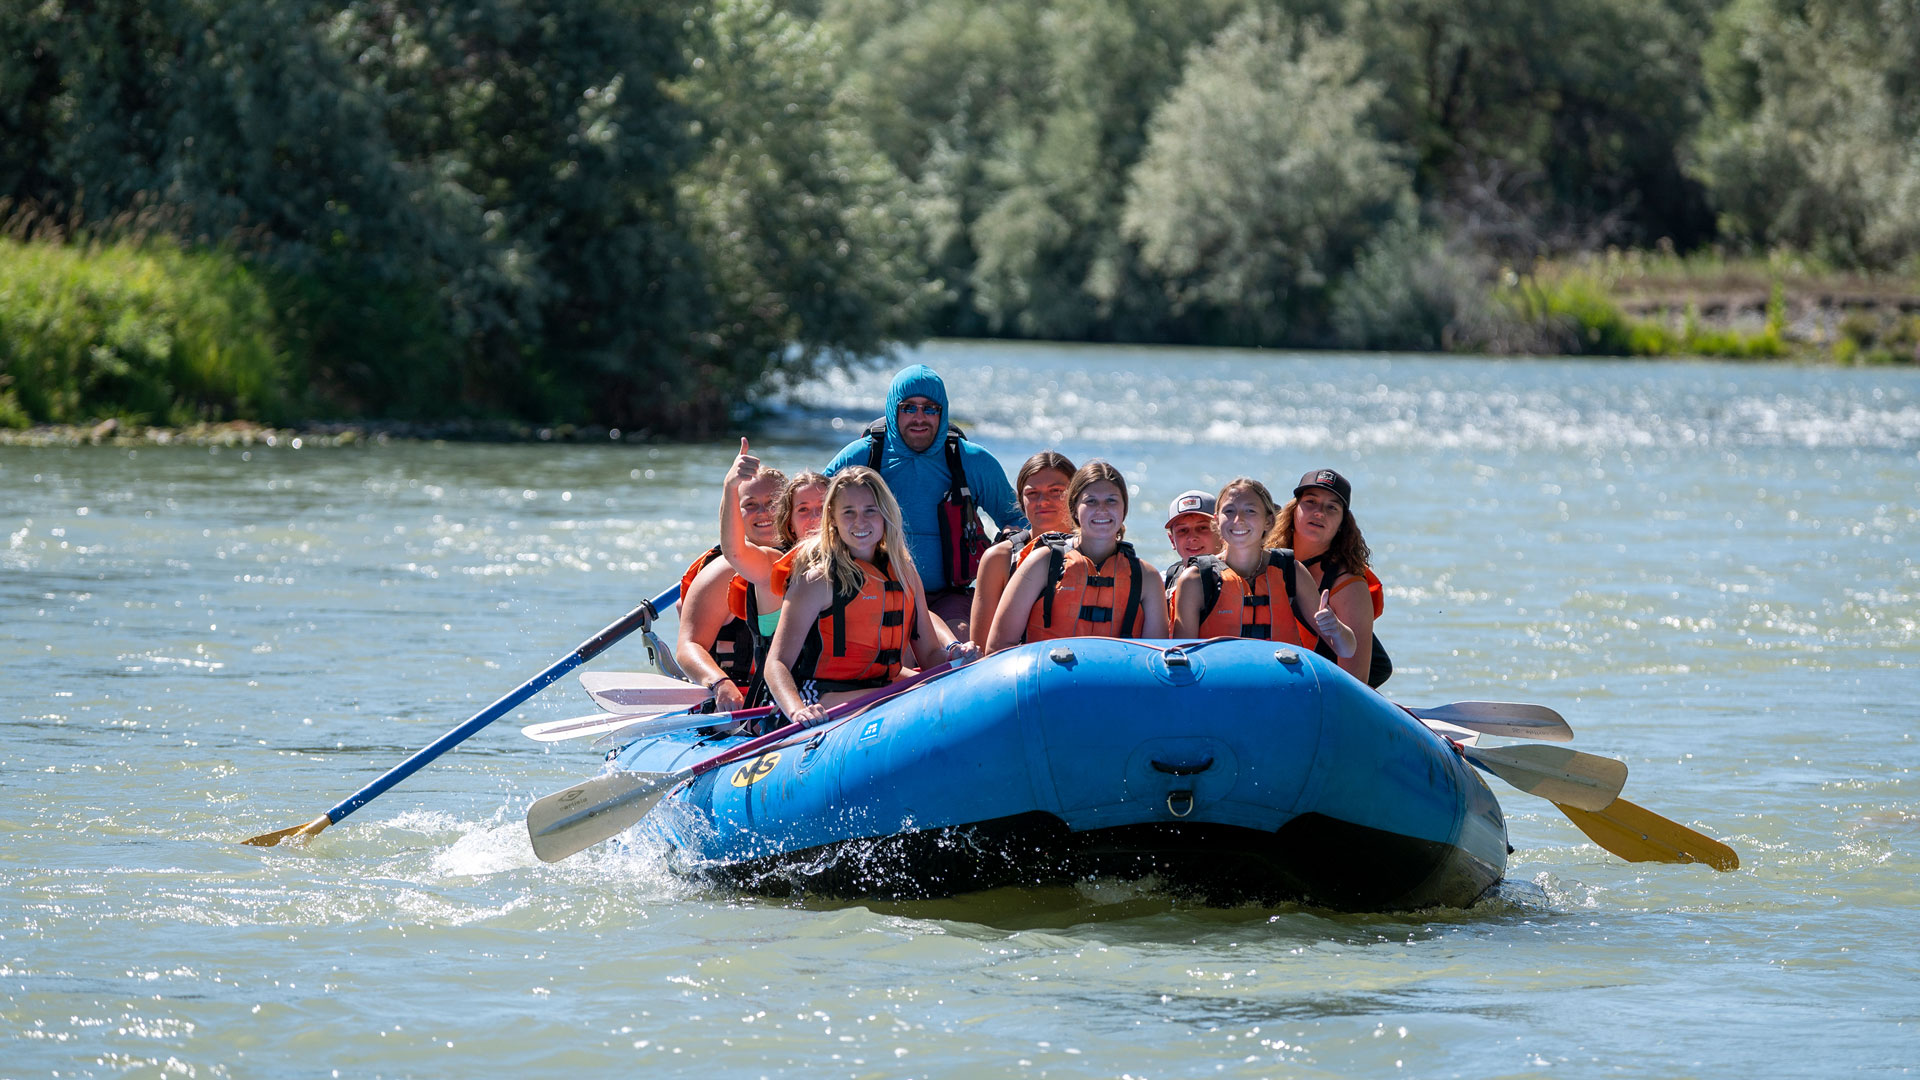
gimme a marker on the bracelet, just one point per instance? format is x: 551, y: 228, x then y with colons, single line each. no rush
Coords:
x: 717, y: 682
x: 954, y: 647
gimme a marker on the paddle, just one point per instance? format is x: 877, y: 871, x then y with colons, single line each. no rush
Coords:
x: 629, y: 691
x: 581, y: 816
x: 1512, y: 719
x: 652, y: 723
x: 640, y: 618
x: 1637, y: 834
x: 1559, y: 775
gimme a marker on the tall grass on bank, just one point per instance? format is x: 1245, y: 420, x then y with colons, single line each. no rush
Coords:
x: 144, y: 332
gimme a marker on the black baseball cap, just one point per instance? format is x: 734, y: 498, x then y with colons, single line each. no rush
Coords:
x: 1326, y: 478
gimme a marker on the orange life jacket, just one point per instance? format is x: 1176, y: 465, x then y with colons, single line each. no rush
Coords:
x: 732, y: 647
x: 861, y: 637
x: 1092, y: 601
x: 1232, y: 606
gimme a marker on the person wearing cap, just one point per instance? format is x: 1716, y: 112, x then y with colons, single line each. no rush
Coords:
x: 1250, y: 590
x: 1191, y: 530
x: 1319, y: 527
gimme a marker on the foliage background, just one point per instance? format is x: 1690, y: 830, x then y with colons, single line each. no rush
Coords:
x: 638, y: 212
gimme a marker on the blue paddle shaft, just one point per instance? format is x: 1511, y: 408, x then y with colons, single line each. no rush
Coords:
x: 592, y: 647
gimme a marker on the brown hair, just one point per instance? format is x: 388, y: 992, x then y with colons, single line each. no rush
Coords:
x: 1041, y: 462
x: 1088, y: 475
x: 783, y: 510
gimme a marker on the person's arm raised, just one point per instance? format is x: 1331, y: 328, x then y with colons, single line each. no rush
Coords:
x: 748, y: 559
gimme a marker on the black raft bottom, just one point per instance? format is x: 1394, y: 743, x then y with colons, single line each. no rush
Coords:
x: 1312, y: 859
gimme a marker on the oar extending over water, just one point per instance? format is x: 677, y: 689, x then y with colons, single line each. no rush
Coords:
x: 640, y: 618
x: 1555, y: 773
x: 1512, y: 719
x: 581, y: 816
x: 1637, y: 834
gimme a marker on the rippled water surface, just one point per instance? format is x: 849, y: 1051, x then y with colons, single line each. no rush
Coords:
x: 1709, y: 568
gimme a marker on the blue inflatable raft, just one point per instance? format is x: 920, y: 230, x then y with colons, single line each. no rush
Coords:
x: 1234, y: 770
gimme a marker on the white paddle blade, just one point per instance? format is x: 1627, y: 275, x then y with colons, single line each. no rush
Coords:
x: 574, y: 820
x: 1583, y: 781
x: 636, y: 691
x: 1512, y: 719
x: 579, y: 727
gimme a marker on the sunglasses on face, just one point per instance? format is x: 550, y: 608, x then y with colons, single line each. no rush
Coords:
x: 913, y: 410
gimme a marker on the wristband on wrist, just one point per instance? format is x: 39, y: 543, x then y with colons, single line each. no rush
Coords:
x: 954, y: 647
x: 713, y: 687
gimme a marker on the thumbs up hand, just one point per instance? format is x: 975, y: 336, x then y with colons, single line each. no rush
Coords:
x: 1331, y: 629
x: 744, y: 466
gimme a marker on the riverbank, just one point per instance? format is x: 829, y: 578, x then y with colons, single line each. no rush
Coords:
x: 245, y: 433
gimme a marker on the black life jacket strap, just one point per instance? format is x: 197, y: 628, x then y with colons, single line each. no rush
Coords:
x: 1056, y: 566
x: 1133, y: 595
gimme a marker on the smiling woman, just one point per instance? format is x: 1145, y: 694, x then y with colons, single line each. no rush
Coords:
x: 854, y: 608
x: 1090, y: 584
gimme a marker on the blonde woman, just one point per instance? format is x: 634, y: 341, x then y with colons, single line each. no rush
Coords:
x: 1090, y: 584
x: 854, y: 614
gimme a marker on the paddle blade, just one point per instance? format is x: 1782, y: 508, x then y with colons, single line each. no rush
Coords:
x: 1555, y: 773
x: 633, y: 691
x: 1510, y: 719
x: 579, y: 727
x: 573, y: 820
x: 299, y: 834
x: 1637, y: 834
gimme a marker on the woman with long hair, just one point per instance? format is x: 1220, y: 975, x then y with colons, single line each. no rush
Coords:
x: 1042, y: 489
x: 1319, y: 527
x: 1245, y: 591
x: 854, y: 614
x: 1089, y: 584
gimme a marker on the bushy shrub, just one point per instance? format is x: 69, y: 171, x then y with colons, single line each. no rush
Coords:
x: 149, y: 333
x: 1411, y: 290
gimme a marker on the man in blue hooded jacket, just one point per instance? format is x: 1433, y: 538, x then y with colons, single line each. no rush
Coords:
x: 913, y: 462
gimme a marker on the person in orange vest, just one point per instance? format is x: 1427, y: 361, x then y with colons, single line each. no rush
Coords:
x: 855, y: 614
x: 1089, y: 584
x: 715, y: 646
x: 1042, y: 487
x: 1248, y: 590
x: 1319, y: 527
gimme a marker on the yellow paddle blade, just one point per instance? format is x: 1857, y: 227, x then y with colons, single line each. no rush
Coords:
x: 1637, y: 834
x: 299, y: 834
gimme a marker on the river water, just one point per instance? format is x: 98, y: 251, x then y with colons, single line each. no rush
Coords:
x: 1709, y: 568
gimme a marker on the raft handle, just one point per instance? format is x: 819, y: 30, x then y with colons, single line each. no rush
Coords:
x: 1185, y: 799
x: 1175, y: 658
x: 1181, y: 768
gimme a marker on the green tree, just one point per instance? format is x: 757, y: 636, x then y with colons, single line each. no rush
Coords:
x: 806, y: 231
x: 1262, y: 178
x: 1814, y: 140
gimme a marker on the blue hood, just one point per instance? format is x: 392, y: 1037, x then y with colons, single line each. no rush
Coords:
x: 917, y: 381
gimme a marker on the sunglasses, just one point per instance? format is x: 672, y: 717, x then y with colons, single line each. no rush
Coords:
x: 915, y: 410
